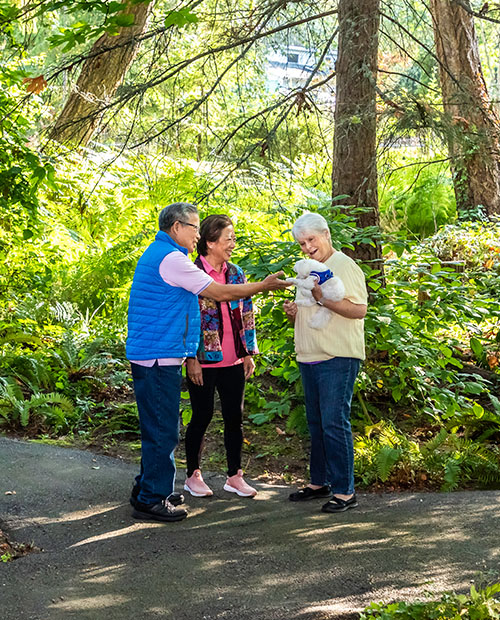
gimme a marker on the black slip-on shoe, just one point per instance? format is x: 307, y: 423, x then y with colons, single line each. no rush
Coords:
x: 174, y: 498
x: 305, y: 494
x: 339, y: 505
x: 163, y: 511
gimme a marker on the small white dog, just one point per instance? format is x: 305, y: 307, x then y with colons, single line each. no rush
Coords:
x: 310, y: 272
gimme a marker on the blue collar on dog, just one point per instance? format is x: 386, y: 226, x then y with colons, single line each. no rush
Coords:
x: 322, y: 276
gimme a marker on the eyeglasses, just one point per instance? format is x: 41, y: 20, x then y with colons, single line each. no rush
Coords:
x: 197, y: 228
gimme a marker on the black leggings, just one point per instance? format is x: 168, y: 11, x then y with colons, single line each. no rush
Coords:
x: 230, y: 384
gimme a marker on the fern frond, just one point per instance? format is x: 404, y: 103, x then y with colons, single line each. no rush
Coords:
x: 38, y: 400
x: 451, y: 476
x: 385, y: 459
x: 66, y: 313
x: 436, y: 442
x: 24, y: 416
x: 297, y: 421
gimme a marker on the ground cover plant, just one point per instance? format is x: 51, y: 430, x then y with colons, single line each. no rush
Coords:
x: 481, y: 604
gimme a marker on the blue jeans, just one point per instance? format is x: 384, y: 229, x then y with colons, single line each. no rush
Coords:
x: 328, y: 388
x: 157, y: 393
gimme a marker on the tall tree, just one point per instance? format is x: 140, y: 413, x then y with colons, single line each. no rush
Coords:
x: 354, y: 153
x: 100, y: 76
x: 474, y: 143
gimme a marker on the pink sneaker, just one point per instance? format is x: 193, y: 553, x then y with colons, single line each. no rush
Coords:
x: 195, y: 485
x: 236, y: 484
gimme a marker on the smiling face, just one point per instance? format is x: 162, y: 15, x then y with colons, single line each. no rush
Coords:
x: 316, y: 245
x: 220, y: 251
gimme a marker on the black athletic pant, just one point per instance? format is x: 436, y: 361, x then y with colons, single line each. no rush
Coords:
x: 230, y: 384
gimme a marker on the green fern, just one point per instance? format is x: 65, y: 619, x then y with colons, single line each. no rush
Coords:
x: 14, y: 408
x: 452, y: 470
x: 435, y: 443
x: 385, y: 460
x: 297, y: 421
x: 77, y: 355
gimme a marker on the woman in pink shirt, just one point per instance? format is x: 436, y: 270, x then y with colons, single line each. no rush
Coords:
x: 223, y: 361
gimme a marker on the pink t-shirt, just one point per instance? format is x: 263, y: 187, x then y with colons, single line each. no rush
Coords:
x: 229, y: 356
x: 177, y: 270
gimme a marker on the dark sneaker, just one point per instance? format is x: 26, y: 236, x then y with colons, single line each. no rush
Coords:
x: 163, y: 511
x: 305, y: 494
x: 174, y: 498
x: 339, y: 505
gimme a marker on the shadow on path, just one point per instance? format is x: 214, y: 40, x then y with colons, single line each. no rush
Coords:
x: 233, y: 558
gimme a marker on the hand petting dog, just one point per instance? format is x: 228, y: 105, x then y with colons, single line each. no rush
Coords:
x: 313, y: 275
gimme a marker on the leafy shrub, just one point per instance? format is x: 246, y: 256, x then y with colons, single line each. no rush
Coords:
x: 416, y: 352
x: 482, y: 604
x: 42, y: 411
x: 418, y: 198
x: 383, y: 453
x: 475, y: 244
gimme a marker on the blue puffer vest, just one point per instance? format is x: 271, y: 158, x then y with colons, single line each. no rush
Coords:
x: 163, y: 320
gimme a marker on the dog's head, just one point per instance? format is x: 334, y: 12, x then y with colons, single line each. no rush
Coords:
x: 304, y: 267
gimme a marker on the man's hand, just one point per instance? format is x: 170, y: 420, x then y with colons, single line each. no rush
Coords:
x: 194, y: 371
x: 248, y: 366
x: 290, y: 309
x: 273, y: 283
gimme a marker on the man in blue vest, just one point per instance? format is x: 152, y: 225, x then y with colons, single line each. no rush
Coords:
x: 163, y: 330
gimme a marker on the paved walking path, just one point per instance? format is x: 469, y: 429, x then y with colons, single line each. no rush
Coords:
x: 232, y: 558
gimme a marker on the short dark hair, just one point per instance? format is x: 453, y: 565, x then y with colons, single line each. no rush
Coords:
x: 176, y: 212
x: 210, y: 230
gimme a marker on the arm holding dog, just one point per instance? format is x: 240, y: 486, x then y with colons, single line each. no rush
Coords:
x: 344, y: 307
x: 290, y: 309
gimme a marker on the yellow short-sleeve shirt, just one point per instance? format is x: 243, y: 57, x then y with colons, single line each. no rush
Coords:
x: 341, y: 337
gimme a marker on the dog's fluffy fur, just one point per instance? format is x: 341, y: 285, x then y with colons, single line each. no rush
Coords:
x: 332, y: 289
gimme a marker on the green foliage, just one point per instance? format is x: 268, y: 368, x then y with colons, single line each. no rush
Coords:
x: 418, y: 333
x: 63, y: 318
x: 475, y: 244
x: 417, y: 198
x: 114, y: 17
x: 448, y: 461
x: 52, y: 410
x: 482, y: 604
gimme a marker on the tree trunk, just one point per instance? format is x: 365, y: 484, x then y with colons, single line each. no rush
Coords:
x: 354, y: 148
x: 99, y: 78
x: 474, y: 141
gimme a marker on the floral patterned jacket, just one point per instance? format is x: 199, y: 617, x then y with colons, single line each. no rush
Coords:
x: 242, y: 319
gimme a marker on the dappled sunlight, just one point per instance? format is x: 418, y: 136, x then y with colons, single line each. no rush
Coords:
x: 159, y: 612
x: 246, y: 560
x: 77, y: 515
x: 102, y: 574
x: 85, y: 603
x: 326, y: 528
x: 115, y: 533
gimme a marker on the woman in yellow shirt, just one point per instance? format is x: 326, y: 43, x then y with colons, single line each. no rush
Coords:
x: 329, y: 359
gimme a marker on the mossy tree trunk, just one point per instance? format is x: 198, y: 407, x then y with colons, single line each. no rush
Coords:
x: 475, y: 128
x: 354, y: 164
x: 100, y: 76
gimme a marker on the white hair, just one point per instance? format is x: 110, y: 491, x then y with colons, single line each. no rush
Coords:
x: 309, y: 223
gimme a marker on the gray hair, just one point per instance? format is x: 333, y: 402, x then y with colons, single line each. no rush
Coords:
x: 309, y: 222
x: 176, y: 212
